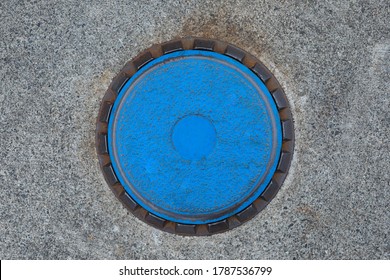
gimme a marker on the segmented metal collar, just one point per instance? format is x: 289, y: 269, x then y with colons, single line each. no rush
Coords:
x: 198, y: 44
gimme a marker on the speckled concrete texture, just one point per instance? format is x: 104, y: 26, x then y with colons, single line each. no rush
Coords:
x: 58, y: 57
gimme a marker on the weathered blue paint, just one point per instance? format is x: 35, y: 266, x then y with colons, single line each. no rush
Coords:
x: 194, y: 136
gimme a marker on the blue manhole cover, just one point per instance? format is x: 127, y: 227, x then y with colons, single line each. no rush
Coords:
x: 195, y: 136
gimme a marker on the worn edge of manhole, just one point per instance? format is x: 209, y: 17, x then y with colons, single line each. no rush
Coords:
x: 257, y: 67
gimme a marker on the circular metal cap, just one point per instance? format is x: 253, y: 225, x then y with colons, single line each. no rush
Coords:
x: 195, y: 136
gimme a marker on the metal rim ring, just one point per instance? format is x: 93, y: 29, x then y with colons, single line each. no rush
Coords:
x: 195, y: 44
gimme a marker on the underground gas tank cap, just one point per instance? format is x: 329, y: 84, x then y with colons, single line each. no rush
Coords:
x: 195, y: 136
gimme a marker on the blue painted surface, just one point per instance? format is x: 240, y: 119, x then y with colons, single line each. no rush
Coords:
x: 194, y: 136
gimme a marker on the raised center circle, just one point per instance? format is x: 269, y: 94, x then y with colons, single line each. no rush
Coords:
x: 194, y: 137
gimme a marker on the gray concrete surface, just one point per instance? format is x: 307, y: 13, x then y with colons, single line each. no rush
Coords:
x: 57, y: 59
